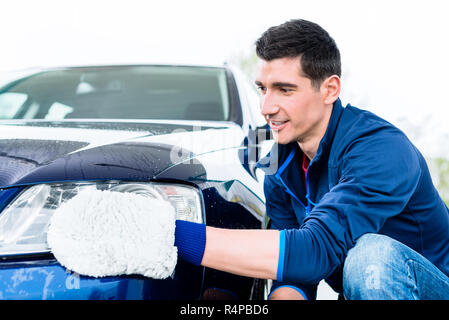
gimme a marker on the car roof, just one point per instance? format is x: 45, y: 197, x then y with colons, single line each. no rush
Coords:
x: 124, y: 65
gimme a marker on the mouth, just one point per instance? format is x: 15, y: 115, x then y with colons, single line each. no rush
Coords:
x: 277, y: 125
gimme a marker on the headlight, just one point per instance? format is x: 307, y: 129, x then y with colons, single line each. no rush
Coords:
x: 24, y: 222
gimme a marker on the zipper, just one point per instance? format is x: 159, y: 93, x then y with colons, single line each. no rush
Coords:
x: 278, y: 176
x: 309, y: 202
x: 290, y: 192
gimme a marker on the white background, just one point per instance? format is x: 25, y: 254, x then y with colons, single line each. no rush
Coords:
x: 394, y: 53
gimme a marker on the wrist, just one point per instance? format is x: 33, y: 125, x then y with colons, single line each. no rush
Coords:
x: 190, y: 239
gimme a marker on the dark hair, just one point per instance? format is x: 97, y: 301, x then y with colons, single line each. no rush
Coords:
x: 320, y: 57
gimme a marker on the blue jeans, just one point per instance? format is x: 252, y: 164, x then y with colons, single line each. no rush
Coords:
x: 381, y: 268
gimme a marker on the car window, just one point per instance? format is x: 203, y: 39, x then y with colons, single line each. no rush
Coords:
x: 136, y: 92
x: 10, y: 103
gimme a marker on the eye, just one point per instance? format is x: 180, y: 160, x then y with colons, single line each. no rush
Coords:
x: 261, y: 89
x: 285, y: 90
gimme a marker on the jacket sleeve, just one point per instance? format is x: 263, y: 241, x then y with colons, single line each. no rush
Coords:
x: 379, y: 174
x: 282, y: 217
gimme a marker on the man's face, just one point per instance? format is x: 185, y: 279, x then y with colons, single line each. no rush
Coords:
x: 293, y: 108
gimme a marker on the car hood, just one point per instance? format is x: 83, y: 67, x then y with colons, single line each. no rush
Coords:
x: 47, y: 151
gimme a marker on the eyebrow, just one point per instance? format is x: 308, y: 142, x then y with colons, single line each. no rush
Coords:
x: 278, y: 84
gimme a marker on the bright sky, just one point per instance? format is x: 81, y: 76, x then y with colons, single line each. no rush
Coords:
x: 395, y: 53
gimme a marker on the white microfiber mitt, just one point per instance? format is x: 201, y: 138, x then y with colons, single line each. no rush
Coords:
x: 105, y: 233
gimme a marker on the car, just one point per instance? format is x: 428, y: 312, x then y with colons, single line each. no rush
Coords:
x: 189, y: 134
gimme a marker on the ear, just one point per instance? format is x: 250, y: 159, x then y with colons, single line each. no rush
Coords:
x: 330, y: 89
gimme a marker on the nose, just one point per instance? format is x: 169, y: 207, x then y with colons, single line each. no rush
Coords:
x: 268, y: 106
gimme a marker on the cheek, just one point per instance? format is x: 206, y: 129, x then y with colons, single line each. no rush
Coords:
x: 303, y: 109
x: 296, y: 113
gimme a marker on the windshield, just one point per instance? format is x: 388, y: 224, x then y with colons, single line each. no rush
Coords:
x: 136, y: 92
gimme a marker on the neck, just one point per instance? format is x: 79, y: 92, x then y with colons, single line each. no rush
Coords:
x: 310, y: 144
x: 310, y: 148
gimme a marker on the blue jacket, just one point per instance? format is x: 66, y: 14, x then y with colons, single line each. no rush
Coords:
x: 366, y: 177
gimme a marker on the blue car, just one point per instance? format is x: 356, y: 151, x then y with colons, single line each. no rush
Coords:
x: 188, y: 134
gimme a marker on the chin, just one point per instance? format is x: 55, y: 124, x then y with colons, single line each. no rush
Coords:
x: 282, y: 140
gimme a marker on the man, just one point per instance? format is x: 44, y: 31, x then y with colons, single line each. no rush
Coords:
x: 352, y: 200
